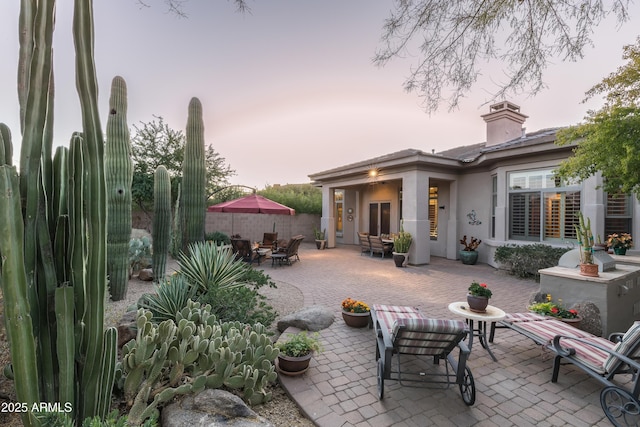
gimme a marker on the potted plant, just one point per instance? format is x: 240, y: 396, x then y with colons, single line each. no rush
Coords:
x: 555, y: 310
x: 296, y: 352
x: 478, y: 297
x: 468, y: 254
x: 355, y: 313
x: 620, y: 243
x: 321, y: 242
x: 585, y: 240
x: 401, y: 244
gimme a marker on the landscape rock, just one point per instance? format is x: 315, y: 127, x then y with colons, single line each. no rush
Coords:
x: 146, y: 275
x: 127, y: 328
x: 211, y: 408
x: 314, y: 318
x: 591, y: 319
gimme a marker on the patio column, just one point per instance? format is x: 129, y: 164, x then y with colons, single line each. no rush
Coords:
x: 327, y: 221
x: 415, y: 194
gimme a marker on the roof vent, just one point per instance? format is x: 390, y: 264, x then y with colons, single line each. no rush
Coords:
x: 504, y: 123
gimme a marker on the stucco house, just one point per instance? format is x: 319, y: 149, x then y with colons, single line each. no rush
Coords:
x: 500, y: 191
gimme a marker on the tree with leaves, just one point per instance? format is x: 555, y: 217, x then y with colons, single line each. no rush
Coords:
x: 455, y: 38
x: 609, y: 140
x: 155, y: 143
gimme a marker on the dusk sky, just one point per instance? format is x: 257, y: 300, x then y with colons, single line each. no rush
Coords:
x: 288, y: 89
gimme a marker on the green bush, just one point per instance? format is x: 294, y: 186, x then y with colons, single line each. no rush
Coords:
x: 304, y: 198
x: 218, y: 237
x: 524, y: 261
x: 243, y: 304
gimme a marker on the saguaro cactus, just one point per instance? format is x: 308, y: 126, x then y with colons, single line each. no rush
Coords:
x: 193, y: 202
x: 54, y: 299
x: 119, y: 174
x: 161, y: 232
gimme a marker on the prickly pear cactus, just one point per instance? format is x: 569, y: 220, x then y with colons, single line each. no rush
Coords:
x: 118, y: 175
x: 199, y: 347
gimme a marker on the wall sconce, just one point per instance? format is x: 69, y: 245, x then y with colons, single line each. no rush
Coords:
x: 441, y: 207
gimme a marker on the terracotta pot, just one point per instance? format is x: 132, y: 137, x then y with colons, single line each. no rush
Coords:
x: 589, y: 270
x: 620, y: 251
x: 468, y: 257
x: 573, y: 322
x: 290, y: 365
x: 356, y: 320
x: 477, y: 304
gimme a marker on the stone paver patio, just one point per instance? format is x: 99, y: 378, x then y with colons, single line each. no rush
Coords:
x: 340, y: 387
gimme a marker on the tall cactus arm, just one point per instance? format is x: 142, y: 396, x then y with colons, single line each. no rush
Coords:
x: 161, y: 221
x: 118, y: 174
x: 108, y: 369
x: 7, y: 148
x: 14, y: 282
x: 65, y: 344
x: 86, y: 82
x: 193, y: 201
x: 25, y: 24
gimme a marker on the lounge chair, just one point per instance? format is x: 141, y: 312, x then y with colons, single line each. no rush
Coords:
x: 269, y: 241
x: 289, y: 254
x: 598, y: 357
x: 365, y: 246
x: 406, y: 331
x: 243, y: 250
x: 379, y: 247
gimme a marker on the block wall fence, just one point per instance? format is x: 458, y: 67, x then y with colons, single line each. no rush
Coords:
x: 249, y: 226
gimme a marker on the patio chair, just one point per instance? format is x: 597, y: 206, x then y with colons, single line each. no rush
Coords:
x: 379, y: 247
x: 406, y: 331
x: 243, y: 250
x: 598, y: 357
x: 269, y: 241
x: 289, y: 254
x: 365, y: 246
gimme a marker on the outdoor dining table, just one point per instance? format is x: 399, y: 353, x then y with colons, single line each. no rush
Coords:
x: 491, y: 314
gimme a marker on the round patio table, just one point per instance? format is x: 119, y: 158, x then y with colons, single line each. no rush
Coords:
x: 492, y: 314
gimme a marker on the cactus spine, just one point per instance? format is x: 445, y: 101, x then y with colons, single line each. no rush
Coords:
x: 161, y: 221
x: 54, y: 299
x: 119, y: 174
x: 193, y: 203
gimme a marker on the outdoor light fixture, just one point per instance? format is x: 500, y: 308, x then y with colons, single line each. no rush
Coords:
x: 373, y: 173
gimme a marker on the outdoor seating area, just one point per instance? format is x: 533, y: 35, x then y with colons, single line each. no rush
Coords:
x: 287, y: 254
x: 374, y: 245
x: 345, y: 381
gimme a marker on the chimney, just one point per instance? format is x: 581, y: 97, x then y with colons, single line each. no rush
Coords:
x: 504, y: 123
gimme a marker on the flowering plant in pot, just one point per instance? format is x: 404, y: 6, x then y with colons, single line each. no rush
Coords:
x: 355, y: 313
x: 468, y: 254
x: 556, y: 310
x: 296, y: 352
x: 620, y: 242
x: 478, y: 297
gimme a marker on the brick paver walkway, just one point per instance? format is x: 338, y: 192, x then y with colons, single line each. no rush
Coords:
x: 340, y: 387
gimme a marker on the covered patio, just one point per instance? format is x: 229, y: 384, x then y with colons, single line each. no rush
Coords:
x: 340, y: 387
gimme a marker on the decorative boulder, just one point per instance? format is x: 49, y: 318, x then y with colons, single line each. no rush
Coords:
x: 146, y: 275
x: 127, y: 328
x: 591, y: 320
x: 211, y: 408
x: 314, y: 318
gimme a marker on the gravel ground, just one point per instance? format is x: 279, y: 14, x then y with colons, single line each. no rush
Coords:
x: 280, y: 411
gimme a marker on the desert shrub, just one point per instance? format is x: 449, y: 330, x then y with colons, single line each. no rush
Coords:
x: 208, y: 267
x: 524, y: 261
x: 244, y: 303
x: 171, y: 296
x: 218, y: 237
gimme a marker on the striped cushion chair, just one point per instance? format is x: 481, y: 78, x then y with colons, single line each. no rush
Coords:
x: 599, y: 357
x: 435, y: 337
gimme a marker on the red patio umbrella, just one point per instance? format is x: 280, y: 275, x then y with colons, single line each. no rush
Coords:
x: 253, y: 203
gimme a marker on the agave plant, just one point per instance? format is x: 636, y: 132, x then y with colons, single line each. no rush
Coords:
x: 210, y: 268
x: 172, y: 295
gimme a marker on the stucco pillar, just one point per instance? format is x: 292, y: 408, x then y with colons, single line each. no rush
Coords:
x: 452, y: 224
x: 415, y: 201
x: 327, y: 221
x: 593, y: 205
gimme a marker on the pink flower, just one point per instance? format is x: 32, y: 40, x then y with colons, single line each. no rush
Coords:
x: 554, y: 309
x: 484, y: 285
